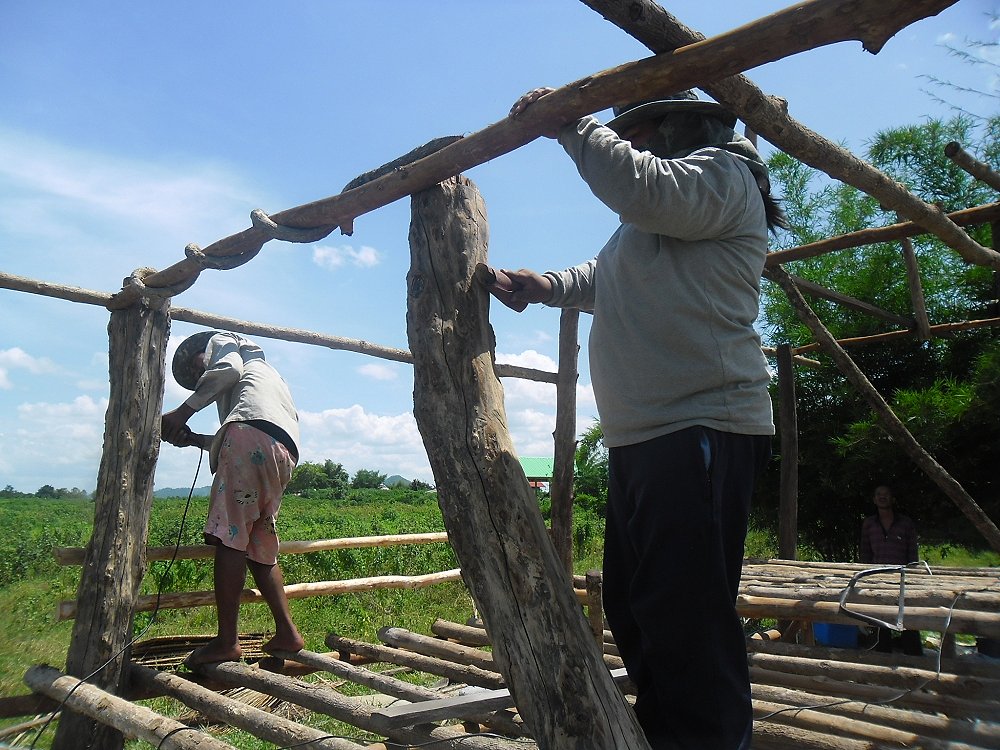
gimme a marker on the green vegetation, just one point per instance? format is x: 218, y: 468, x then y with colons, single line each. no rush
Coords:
x: 943, y: 390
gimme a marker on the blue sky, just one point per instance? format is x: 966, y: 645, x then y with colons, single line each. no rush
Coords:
x: 128, y: 130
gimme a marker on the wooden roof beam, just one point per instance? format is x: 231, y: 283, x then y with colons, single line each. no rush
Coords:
x: 768, y: 115
x: 796, y: 29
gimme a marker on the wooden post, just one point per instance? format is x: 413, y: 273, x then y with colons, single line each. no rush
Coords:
x: 541, y: 641
x: 561, y: 489
x: 788, y: 506
x: 115, y: 562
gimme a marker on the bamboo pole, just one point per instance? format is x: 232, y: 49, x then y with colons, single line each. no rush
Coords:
x: 126, y: 718
x: 941, y: 329
x: 981, y: 734
x: 900, y: 676
x: 353, y: 711
x: 915, y: 699
x: 985, y: 214
x: 183, y: 599
x: 768, y: 116
x: 486, y: 678
x: 74, y: 555
x: 225, y: 710
x: 939, y: 619
x: 500, y: 721
x: 916, y: 290
x: 889, y: 421
x: 422, y: 644
x: 818, y: 290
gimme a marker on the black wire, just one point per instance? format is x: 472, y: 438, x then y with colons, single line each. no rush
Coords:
x: 152, y: 619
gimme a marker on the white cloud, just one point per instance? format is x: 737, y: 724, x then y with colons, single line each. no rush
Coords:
x: 332, y: 258
x: 378, y: 371
x: 17, y: 358
x: 161, y: 195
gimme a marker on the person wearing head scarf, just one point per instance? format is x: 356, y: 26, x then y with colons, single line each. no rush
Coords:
x: 682, y: 392
x: 252, y: 456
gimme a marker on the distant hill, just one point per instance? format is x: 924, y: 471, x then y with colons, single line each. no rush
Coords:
x: 395, y: 480
x: 182, y: 491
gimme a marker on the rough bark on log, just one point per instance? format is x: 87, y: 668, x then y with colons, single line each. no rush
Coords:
x: 541, y: 642
x: 226, y: 710
x: 886, y: 417
x: 768, y: 116
x: 114, y: 566
x: 804, y: 26
x: 100, y: 706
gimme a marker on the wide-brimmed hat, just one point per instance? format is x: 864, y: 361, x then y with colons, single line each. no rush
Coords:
x: 183, y: 365
x: 683, y: 101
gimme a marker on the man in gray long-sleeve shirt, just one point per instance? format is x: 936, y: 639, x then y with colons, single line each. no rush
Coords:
x: 252, y: 456
x: 681, y: 388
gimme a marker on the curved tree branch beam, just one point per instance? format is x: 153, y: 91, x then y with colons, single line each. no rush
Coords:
x: 768, y: 115
x: 804, y: 26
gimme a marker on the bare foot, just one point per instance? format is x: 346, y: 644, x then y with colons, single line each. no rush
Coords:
x: 213, y: 652
x: 291, y: 642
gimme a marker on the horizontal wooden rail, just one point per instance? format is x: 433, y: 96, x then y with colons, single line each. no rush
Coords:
x: 74, y: 555
x: 184, y: 599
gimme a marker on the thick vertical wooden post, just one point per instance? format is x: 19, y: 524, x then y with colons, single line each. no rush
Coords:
x: 561, y: 489
x: 115, y: 558
x: 788, y: 506
x: 541, y: 641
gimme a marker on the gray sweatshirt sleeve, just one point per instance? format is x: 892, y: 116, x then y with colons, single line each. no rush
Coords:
x: 701, y: 196
x: 574, y: 287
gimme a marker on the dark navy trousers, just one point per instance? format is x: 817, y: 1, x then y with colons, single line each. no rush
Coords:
x: 673, y: 554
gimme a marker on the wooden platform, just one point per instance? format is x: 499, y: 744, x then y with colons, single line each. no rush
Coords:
x: 805, y: 696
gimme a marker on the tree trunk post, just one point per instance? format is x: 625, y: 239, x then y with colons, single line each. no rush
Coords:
x: 115, y: 561
x: 788, y: 512
x: 561, y: 489
x: 541, y: 641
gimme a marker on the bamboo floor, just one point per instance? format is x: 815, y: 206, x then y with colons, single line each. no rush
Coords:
x: 442, y: 688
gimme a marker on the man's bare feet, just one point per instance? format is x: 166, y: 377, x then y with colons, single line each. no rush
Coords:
x: 213, y: 652
x: 291, y: 642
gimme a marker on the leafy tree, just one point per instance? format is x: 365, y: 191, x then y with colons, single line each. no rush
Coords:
x: 47, y: 491
x: 367, y: 479
x: 590, y: 482
x: 417, y: 484
x: 312, y: 476
x: 932, y: 386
